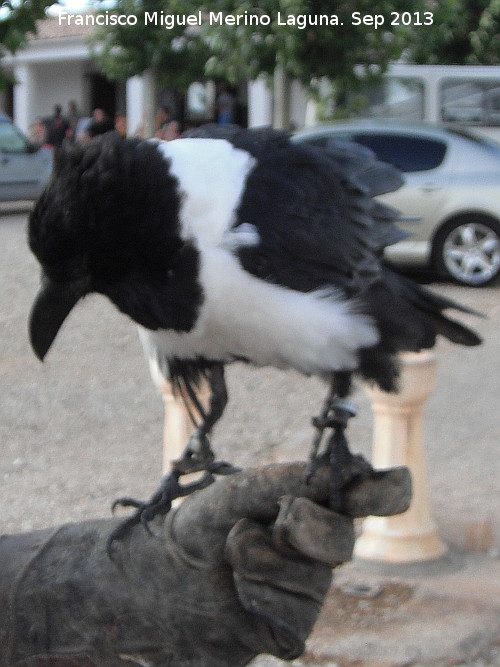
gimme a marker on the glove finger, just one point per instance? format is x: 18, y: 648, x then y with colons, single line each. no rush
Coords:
x: 314, y: 531
x: 251, y: 551
x: 203, y: 520
x: 282, y: 591
x: 382, y: 493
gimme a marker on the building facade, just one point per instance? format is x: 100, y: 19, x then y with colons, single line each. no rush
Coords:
x: 57, y: 67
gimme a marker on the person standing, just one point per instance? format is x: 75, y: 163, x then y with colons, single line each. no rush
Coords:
x: 57, y: 128
x: 225, y: 105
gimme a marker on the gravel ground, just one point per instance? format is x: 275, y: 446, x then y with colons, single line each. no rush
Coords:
x: 86, y: 426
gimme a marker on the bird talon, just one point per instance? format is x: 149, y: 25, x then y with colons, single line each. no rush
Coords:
x: 321, y: 423
x: 223, y: 468
x: 125, y: 502
x: 315, y: 463
x: 161, y: 501
x: 120, y: 531
x: 196, y: 457
x: 146, y: 516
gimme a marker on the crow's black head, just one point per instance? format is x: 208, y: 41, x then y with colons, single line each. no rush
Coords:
x: 108, y: 223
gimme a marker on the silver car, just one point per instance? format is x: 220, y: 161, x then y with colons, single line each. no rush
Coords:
x: 24, y: 168
x: 450, y: 202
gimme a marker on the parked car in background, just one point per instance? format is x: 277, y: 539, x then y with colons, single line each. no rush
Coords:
x: 25, y: 169
x: 450, y: 202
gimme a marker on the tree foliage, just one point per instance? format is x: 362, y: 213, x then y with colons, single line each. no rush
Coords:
x: 307, y: 53
x: 464, y: 32
x: 485, y: 39
x: 176, y: 55
x: 17, y: 21
x: 235, y: 52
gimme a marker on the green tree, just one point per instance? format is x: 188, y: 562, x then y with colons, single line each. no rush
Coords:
x: 307, y: 53
x: 241, y: 51
x: 17, y: 21
x: 485, y: 39
x: 176, y: 55
x: 464, y: 32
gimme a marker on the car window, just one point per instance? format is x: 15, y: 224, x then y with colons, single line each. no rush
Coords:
x: 470, y: 101
x: 323, y: 141
x: 406, y: 153
x: 11, y: 140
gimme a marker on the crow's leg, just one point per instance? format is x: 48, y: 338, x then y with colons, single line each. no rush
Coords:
x: 339, y: 388
x: 197, y: 457
x: 198, y: 454
x: 335, y: 414
x: 159, y: 504
x: 338, y: 450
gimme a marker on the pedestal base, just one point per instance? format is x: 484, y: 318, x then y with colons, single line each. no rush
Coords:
x: 379, y: 543
x: 398, y: 440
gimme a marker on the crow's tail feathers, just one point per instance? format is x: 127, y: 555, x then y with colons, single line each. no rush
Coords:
x: 431, y: 307
x: 409, y: 318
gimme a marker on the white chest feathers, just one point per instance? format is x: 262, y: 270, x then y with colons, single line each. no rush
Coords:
x: 212, y: 176
x: 243, y: 316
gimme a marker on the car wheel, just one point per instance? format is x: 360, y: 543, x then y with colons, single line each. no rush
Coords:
x: 467, y: 249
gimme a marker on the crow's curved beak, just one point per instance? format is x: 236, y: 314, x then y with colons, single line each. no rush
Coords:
x: 52, y: 305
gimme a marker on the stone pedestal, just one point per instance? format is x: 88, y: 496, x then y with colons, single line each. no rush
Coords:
x: 178, y: 426
x: 398, y: 440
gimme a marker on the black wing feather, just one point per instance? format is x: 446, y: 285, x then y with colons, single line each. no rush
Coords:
x: 315, y: 213
x: 320, y: 226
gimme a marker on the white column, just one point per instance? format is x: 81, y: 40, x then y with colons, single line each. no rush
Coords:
x: 311, y: 115
x: 282, y: 90
x: 24, y: 96
x: 260, y: 103
x: 149, y: 103
x: 298, y: 105
x: 398, y: 440
x: 134, y: 104
x: 211, y: 95
x: 140, y: 100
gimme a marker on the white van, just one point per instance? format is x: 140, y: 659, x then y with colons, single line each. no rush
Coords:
x: 467, y: 95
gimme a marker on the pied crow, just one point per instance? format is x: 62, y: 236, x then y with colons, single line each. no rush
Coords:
x: 234, y: 244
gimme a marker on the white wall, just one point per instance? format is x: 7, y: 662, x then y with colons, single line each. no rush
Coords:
x: 54, y: 73
x: 58, y: 83
x: 260, y: 103
x: 40, y: 86
x: 25, y: 95
x: 298, y: 105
